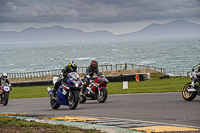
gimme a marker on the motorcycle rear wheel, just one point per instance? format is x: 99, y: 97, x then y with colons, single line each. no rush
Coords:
x: 73, y: 100
x: 188, y: 96
x: 4, y: 99
x: 53, y: 103
x: 102, y: 98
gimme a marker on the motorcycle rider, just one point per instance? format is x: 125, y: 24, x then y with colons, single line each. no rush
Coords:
x: 90, y: 71
x: 195, y: 76
x: 71, y: 67
x: 4, y: 79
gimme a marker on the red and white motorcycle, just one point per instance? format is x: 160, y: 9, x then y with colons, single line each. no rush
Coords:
x: 96, y: 90
x: 4, y: 93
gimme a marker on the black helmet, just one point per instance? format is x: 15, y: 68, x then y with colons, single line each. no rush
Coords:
x: 94, y: 64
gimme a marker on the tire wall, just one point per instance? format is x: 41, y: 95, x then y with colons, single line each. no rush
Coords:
x: 114, y: 78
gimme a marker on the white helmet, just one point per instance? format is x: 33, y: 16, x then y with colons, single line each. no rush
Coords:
x: 4, y: 75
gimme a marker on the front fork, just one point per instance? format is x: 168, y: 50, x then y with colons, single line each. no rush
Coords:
x: 69, y: 95
x: 0, y: 96
x: 82, y: 92
x: 99, y: 90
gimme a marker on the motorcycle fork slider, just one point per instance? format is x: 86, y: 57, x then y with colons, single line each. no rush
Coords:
x: 82, y: 94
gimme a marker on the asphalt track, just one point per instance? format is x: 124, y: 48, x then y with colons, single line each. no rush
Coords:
x: 148, y: 107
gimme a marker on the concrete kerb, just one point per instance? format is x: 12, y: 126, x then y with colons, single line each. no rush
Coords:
x: 105, y: 124
x: 109, y: 129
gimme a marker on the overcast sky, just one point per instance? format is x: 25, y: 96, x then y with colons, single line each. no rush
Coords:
x: 116, y: 16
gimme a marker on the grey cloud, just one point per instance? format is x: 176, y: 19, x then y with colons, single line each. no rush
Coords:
x: 93, y: 11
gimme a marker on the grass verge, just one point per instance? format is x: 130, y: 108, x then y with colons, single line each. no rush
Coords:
x: 173, y: 84
x: 8, y: 125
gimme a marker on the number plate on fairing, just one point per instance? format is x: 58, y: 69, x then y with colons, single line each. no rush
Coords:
x: 6, y: 88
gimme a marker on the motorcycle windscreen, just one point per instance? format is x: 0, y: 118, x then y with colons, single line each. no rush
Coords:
x: 101, y: 75
x: 74, y: 75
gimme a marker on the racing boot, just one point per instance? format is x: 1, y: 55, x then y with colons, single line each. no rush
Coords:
x: 193, y: 84
x: 54, y: 92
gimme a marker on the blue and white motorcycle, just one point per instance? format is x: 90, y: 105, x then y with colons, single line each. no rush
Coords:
x: 68, y: 93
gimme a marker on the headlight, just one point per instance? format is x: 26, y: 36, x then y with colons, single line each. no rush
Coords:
x: 76, y: 84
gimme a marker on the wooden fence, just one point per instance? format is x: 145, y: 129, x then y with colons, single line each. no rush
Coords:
x: 171, y: 71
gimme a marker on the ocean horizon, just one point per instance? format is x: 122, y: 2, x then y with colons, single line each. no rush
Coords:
x: 162, y: 53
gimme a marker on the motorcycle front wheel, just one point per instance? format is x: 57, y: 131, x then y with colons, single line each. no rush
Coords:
x: 103, y: 95
x: 188, y: 96
x: 82, y: 99
x: 53, y: 103
x: 4, y: 99
x: 73, y: 99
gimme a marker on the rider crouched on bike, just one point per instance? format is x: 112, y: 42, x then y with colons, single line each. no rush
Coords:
x: 196, y: 76
x: 71, y: 67
x: 4, y: 79
x: 90, y: 71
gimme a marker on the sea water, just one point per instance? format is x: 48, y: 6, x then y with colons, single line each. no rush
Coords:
x: 162, y: 53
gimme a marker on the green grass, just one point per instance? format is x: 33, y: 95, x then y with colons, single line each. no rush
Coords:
x: 8, y: 124
x: 173, y: 84
x: 29, y: 92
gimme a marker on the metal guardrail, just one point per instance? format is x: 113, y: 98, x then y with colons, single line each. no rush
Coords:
x: 170, y: 71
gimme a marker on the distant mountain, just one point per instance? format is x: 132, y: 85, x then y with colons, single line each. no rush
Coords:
x: 51, y: 34
x: 176, y: 28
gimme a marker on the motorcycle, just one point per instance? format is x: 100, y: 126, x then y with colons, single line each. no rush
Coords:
x: 95, y: 90
x: 68, y: 93
x: 192, y: 89
x: 4, y: 93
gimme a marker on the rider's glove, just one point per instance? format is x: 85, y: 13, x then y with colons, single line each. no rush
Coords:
x: 87, y: 76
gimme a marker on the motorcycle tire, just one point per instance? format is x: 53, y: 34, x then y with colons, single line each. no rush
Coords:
x: 102, y: 98
x: 188, y: 96
x: 53, y: 103
x: 4, y: 99
x: 73, y: 100
x: 82, y: 99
